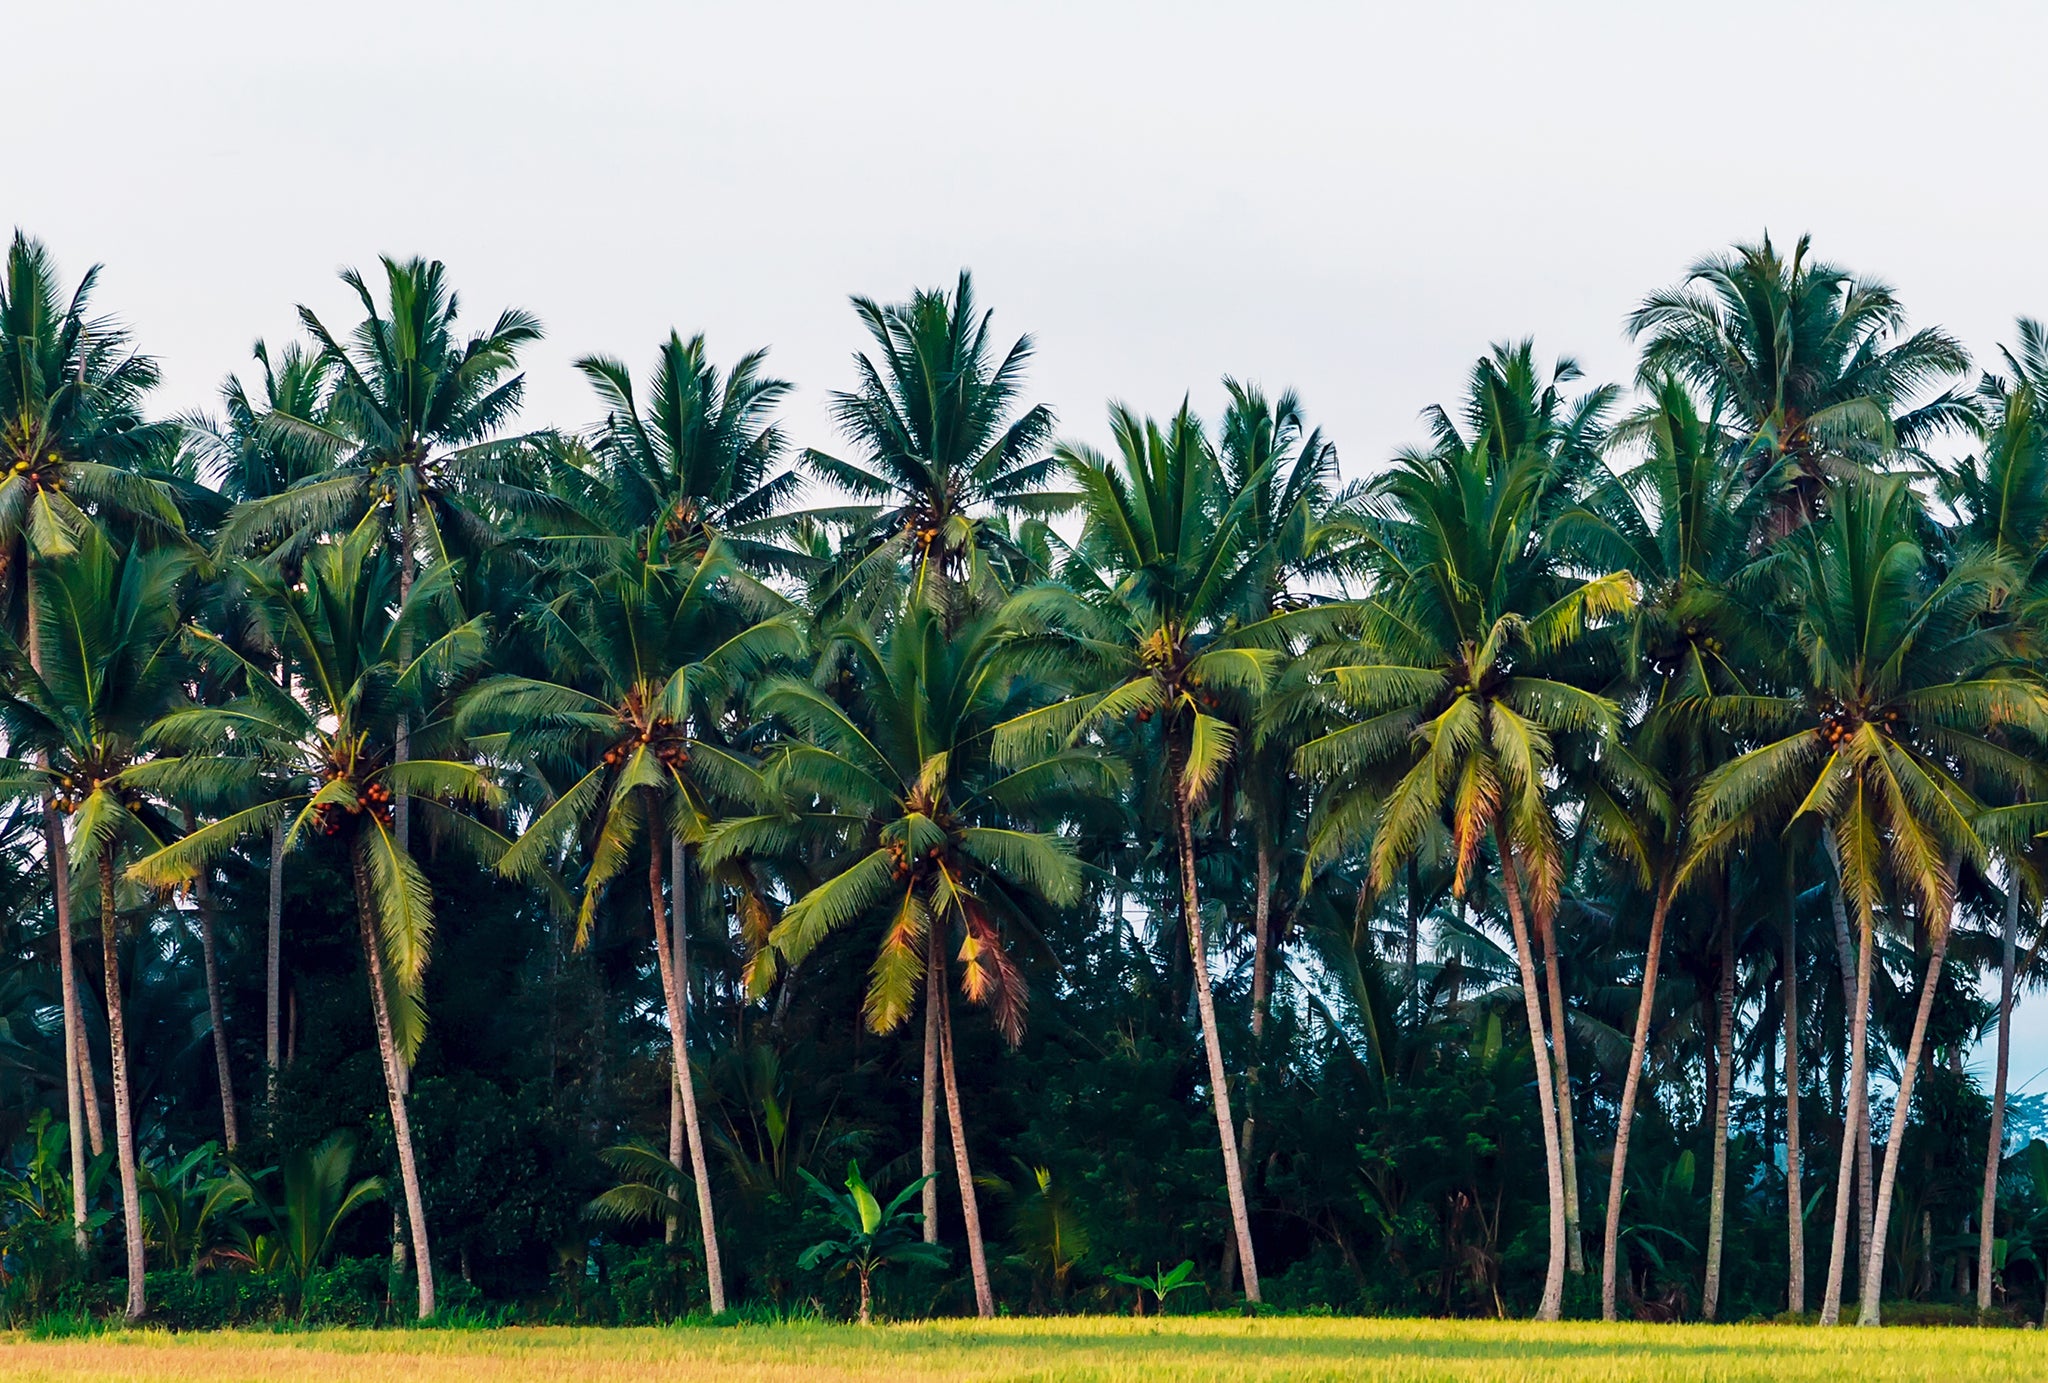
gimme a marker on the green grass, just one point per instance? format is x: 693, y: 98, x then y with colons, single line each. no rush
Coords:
x: 1206, y: 1348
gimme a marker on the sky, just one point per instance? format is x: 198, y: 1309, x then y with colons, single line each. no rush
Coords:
x: 1351, y: 200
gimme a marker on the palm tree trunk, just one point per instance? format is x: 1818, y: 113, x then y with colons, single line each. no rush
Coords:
x: 1724, y: 1087
x: 1857, y: 1100
x: 74, y: 1104
x: 59, y: 865
x: 1262, y: 996
x: 202, y: 894
x: 928, y: 1131
x: 1994, y: 1148
x: 1552, y: 1305
x: 394, y: 1085
x: 273, y: 955
x: 1567, y: 1136
x: 124, y: 1116
x: 89, y: 1083
x: 1212, y: 1042
x: 1795, y: 1205
x: 1262, y: 957
x: 1631, y: 1087
x: 1844, y: 951
x: 970, y: 1212
x: 1873, y: 1271
x: 674, y: 982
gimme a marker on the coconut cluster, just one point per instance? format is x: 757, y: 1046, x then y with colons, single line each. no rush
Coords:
x: 375, y: 799
x: 664, y: 739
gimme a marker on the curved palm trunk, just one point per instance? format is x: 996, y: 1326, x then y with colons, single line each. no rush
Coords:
x: 1852, y: 1127
x: 1724, y: 1089
x: 1631, y: 1087
x: 1212, y: 1043
x: 1567, y: 1136
x: 124, y: 1118
x: 673, y: 981
x: 202, y: 893
x: 1795, y: 1205
x: 60, y: 889
x: 273, y: 957
x: 1873, y: 1270
x: 1994, y: 1147
x: 928, y: 1129
x: 970, y: 1212
x: 1552, y: 1305
x: 394, y: 1085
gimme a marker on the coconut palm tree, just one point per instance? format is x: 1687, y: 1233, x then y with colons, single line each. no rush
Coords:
x: 109, y: 667
x: 1679, y: 520
x: 1813, y: 366
x: 1999, y: 496
x: 1512, y: 408
x: 700, y: 459
x: 249, y: 457
x: 943, y: 446
x: 1165, y: 568
x: 931, y: 835
x: 647, y: 656
x: 71, y: 431
x: 1891, y: 712
x: 1294, y: 534
x: 414, y: 423
x: 323, y: 759
x: 1462, y: 687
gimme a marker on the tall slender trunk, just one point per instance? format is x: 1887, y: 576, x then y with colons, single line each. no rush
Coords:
x: 1994, y: 1149
x: 59, y: 865
x: 124, y: 1114
x: 1631, y: 1087
x: 1873, y: 1271
x: 1212, y: 1041
x: 1857, y: 1100
x: 1567, y: 1135
x: 928, y: 1130
x: 74, y: 1103
x: 1795, y: 1205
x: 1262, y: 995
x: 1262, y: 949
x: 394, y: 1084
x: 970, y: 1212
x: 1724, y: 1088
x: 273, y: 958
x: 674, y: 993
x: 202, y: 894
x: 1845, y: 953
x: 673, y: 1228
x: 1552, y: 1305
x: 88, y: 1080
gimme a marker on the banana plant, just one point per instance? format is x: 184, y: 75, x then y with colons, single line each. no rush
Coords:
x: 874, y: 1235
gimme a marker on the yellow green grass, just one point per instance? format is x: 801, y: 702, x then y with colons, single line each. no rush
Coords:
x: 1227, y: 1350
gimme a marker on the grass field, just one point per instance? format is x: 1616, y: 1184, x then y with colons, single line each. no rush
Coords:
x: 1083, y: 1349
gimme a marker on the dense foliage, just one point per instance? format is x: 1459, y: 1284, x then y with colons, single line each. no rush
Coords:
x: 1562, y: 871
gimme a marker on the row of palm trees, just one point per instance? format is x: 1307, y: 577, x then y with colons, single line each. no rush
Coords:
x: 1767, y: 625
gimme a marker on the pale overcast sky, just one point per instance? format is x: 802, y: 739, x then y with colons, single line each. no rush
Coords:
x: 1350, y: 199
